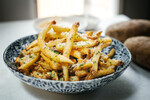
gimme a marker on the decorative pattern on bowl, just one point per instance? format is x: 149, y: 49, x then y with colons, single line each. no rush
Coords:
x: 13, y: 50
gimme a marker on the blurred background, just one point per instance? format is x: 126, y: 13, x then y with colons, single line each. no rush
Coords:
x: 19, y: 18
x: 92, y: 14
x: 30, y: 9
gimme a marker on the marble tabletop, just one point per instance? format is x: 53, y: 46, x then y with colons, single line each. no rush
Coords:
x: 133, y: 84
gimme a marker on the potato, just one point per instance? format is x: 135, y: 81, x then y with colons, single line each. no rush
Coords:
x: 139, y: 47
x: 124, y: 30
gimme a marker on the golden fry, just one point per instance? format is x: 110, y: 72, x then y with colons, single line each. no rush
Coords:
x: 53, y: 64
x: 101, y: 72
x: 74, y: 78
x: 32, y: 44
x: 59, y: 29
x: 33, y: 50
x: 29, y: 61
x: 49, y: 53
x: 81, y: 73
x: 78, y: 45
x: 61, y: 53
x: 55, y: 42
x: 95, y: 59
x: 68, y: 47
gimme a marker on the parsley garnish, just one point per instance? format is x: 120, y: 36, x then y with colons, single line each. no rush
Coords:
x: 56, y: 52
x: 37, y: 73
x: 52, y: 75
x: 98, y: 52
x: 81, y: 64
x: 51, y: 59
x: 75, y: 43
x: 94, y: 62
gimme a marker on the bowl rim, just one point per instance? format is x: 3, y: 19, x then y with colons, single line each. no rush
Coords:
x: 71, y: 82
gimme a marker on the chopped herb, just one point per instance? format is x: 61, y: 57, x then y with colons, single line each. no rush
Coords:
x: 20, y: 59
x: 44, y: 47
x: 54, y: 61
x: 56, y: 52
x: 98, y: 52
x: 72, y: 79
x: 23, y: 62
x: 30, y: 56
x: 51, y: 59
x: 94, y: 62
x: 31, y: 50
x: 52, y: 75
x: 52, y: 50
x: 37, y: 73
x: 81, y: 64
x: 75, y: 43
x: 61, y: 79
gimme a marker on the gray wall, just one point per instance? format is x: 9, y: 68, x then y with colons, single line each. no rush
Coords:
x: 137, y: 9
x: 17, y: 9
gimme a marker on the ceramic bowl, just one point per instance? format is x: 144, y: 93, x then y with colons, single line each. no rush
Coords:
x: 13, y: 50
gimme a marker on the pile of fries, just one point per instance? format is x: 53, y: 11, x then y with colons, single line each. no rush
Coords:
x: 61, y: 53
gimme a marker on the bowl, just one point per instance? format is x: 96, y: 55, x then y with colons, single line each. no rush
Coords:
x: 13, y: 50
x: 40, y: 24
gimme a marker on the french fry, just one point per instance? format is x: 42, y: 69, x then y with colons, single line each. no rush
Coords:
x: 95, y: 59
x: 33, y: 50
x: 53, y: 64
x: 78, y: 45
x: 37, y: 74
x: 83, y: 66
x: 78, y: 36
x: 101, y: 72
x: 111, y: 53
x: 54, y: 75
x: 32, y: 44
x: 89, y: 33
x: 114, y: 62
x: 74, y: 78
x: 61, y: 53
x: 49, y: 53
x: 45, y: 65
x: 97, y: 35
x: 76, y: 54
x: 55, y: 42
x: 84, y: 50
x: 81, y: 73
x: 105, y: 40
x: 59, y: 29
x: 67, y: 49
x: 30, y: 60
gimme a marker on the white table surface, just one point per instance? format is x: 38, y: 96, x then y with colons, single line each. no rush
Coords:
x: 133, y: 84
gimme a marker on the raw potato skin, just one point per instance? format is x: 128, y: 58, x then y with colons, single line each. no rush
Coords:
x: 124, y: 30
x: 139, y: 47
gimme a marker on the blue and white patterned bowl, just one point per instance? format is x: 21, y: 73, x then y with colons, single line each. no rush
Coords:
x: 13, y: 50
